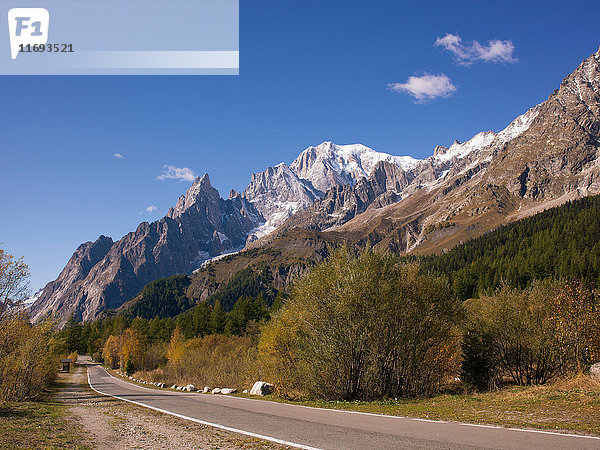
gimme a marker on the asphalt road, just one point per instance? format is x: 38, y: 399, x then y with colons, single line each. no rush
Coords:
x: 306, y: 427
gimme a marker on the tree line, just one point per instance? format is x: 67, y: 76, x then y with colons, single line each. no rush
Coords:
x: 559, y: 243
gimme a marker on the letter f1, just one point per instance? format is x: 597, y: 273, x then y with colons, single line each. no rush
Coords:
x: 27, y: 26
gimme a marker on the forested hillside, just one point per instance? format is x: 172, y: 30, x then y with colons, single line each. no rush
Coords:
x: 161, y: 298
x: 562, y: 242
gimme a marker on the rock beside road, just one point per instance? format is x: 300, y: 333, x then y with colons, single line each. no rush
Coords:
x: 228, y: 391
x: 595, y: 371
x: 261, y: 388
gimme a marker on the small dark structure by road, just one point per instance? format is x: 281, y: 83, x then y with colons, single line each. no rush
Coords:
x: 65, y: 365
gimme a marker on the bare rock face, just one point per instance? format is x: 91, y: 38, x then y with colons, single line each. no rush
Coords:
x: 559, y: 152
x: 104, y: 274
x: 277, y: 193
x: 344, y: 202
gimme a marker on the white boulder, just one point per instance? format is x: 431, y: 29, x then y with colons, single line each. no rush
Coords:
x: 206, y: 389
x: 228, y: 391
x: 216, y: 391
x: 261, y: 388
x: 595, y: 371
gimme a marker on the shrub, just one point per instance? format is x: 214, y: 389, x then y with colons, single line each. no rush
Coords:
x: 97, y: 357
x: 129, y: 368
x: 575, y: 317
x: 28, y: 361
x: 364, y: 327
x: 215, y: 360
x: 479, y: 365
x: 548, y: 329
x: 73, y: 357
x: 156, y: 356
x: 523, y: 337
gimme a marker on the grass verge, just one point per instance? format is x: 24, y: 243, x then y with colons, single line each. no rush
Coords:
x: 567, y: 406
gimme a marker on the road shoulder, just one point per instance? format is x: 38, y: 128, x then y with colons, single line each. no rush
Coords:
x: 112, y: 423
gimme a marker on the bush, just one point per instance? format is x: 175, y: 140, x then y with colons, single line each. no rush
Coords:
x: 520, y: 326
x: 279, y: 350
x: 479, y: 365
x: 575, y: 315
x: 155, y: 357
x: 129, y: 368
x: 28, y: 361
x: 73, y: 357
x: 534, y: 335
x: 97, y: 357
x: 363, y: 327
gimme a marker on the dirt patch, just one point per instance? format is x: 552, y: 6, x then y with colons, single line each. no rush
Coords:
x: 112, y: 423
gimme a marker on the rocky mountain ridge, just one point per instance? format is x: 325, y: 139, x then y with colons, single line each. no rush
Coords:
x: 547, y: 156
x: 104, y: 274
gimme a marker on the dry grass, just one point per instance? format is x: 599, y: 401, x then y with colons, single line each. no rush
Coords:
x: 42, y: 424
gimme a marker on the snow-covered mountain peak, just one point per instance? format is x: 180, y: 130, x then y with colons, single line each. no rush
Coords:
x: 484, y: 139
x: 277, y: 193
x: 459, y: 149
x: 329, y: 164
x: 518, y: 126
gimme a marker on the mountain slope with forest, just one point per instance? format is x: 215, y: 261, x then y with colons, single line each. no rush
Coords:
x: 561, y: 242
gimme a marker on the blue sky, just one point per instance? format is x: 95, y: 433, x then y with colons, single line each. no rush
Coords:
x: 310, y: 71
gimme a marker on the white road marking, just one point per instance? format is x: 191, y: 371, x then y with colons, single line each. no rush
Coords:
x: 202, y: 422
x: 499, y: 427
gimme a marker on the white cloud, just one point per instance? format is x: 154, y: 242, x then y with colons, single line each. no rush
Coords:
x: 425, y: 87
x: 150, y: 209
x: 495, y: 51
x: 177, y: 173
x: 118, y: 156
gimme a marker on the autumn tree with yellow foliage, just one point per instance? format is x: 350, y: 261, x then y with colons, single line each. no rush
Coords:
x: 111, y: 351
x: 123, y: 350
x: 28, y: 353
x: 14, y: 286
